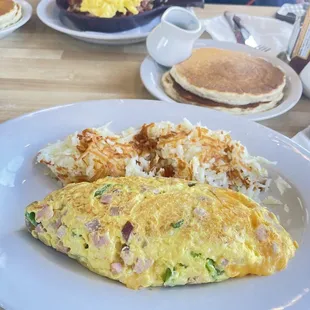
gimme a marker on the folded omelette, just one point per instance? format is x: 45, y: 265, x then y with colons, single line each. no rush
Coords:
x: 161, y: 231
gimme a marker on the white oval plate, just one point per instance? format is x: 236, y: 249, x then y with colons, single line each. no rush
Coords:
x: 49, y: 14
x: 151, y: 74
x: 35, y: 277
x: 26, y: 15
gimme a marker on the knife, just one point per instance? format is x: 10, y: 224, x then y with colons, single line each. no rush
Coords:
x: 248, y: 38
x: 234, y: 27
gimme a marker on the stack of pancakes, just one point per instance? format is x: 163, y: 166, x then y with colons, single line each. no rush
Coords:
x: 10, y: 13
x: 226, y: 80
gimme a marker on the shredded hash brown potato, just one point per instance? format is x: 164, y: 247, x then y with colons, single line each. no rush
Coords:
x: 186, y: 151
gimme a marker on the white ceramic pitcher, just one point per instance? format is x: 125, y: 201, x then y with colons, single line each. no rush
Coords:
x: 172, y: 40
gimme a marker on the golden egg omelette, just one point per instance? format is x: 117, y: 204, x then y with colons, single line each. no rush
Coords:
x: 161, y: 231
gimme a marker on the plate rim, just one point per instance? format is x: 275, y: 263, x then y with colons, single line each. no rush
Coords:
x: 41, y: 11
x: 161, y: 95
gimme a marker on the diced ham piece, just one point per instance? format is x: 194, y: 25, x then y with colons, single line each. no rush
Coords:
x: 193, y: 280
x: 116, y: 268
x: 143, y: 189
x: 142, y: 265
x: 57, y: 223
x: 106, y: 199
x: 100, y: 241
x: 93, y: 225
x: 45, y: 213
x: 261, y: 233
x: 54, y: 226
x: 114, y: 211
x: 127, y: 256
x: 200, y: 212
x: 224, y: 262
x: 61, y: 248
x: 204, y: 198
x: 275, y: 248
x: 126, y: 231
x: 61, y: 231
x: 39, y: 229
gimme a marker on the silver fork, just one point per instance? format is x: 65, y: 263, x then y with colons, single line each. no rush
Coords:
x: 248, y: 38
x: 262, y: 48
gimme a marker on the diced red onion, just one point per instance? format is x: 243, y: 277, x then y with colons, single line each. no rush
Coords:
x: 126, y: 231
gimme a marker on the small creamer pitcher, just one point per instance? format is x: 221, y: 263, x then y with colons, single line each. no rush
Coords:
x: 172, y: 41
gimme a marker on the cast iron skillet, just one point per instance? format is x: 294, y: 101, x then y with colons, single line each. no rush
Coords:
x: 121, y: 23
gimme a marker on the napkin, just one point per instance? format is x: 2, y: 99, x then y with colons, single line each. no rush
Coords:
x: 267, y: 31
x: 303, y: 138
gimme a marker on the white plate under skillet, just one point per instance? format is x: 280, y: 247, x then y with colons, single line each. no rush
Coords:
x: 49, y: 14
x: 36, y: 277
x: 151, y: 74
x: 26, y: 15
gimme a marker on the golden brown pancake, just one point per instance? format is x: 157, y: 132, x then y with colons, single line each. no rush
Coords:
x: 10, y: 13
x: 6, y: 6
x: 179, y: 94
x: 229, y: 77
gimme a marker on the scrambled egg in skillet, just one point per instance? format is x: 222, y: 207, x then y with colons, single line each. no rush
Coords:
x: 109, y: 8
x: 161, y: 231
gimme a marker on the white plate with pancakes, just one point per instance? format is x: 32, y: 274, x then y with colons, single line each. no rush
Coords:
x: 49, y: 14
x: 13, y: 16
x: 260, y: 91
x: 31, y: 273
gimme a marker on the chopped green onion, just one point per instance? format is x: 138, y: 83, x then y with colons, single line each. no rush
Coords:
x: 182, y: 265
x: 31, y: 217
x: 194, y: 254
x: 213, y: 270
x: 75, y: 233
x: 101, y: 190
x: 177, y: 224
x: 167, y: 275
